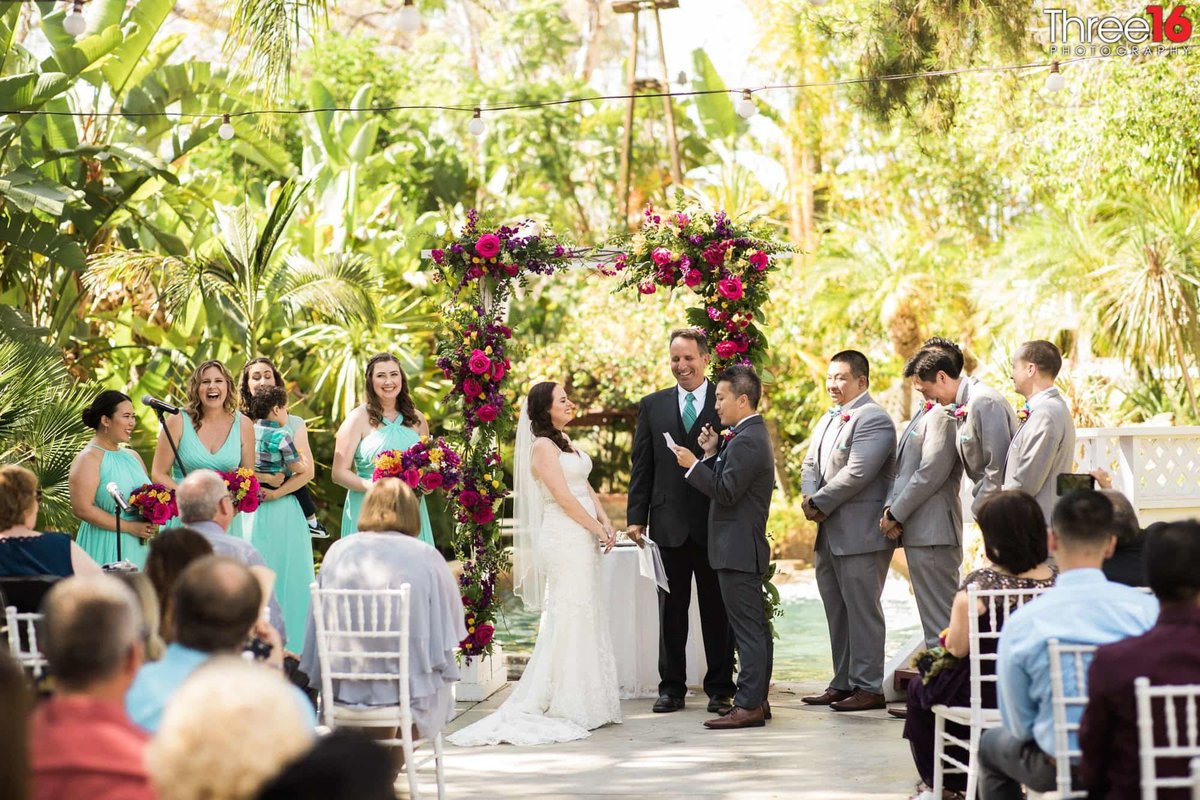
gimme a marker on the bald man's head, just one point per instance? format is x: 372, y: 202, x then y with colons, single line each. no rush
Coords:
x: 216, y: 600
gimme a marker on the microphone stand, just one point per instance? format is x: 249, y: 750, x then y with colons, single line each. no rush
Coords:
x: 162, y: 421
x: 117, y: 520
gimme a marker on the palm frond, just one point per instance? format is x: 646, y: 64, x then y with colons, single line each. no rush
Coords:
x: 339, y: 287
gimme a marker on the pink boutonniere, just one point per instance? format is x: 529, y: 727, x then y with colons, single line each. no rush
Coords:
x: 1023, y: 412
x: 929, y: 404
x: 844, y: 416
x: 960, y: 412
x: 728, y: 435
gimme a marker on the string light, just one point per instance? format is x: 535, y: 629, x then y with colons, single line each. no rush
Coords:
x: 410, y: 17
x: 476, y: 126
x: 75, y: 24
x: 1055, y: 80
x: 681, y: 78
x: 226, y: 129
x: 746, y: 107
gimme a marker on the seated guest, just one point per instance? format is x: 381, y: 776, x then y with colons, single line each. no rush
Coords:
x: 170, y: 553
x: 216, y: 608
x: 143, y: 589
x: 230, y: 728
x: 1168, y: 654
x: 387, y: 555
x: 16, y: 698
x: 206, y: 507
x: 1082, y: 608
x: 345, y: 765
x: 1014, y: 539
x: 82, y: 744
x: 25, y: 550
x: 1125, y: 566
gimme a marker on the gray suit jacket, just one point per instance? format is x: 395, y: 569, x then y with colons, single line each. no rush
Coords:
x: 1043, y: 447
x: 739, y: 483
x: 853, y: 487
x: 924, y: 496
x: 984, y: 435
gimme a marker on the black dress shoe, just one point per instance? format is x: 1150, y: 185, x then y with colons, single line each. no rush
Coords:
x: 665, y: 704
x: 720, y: 705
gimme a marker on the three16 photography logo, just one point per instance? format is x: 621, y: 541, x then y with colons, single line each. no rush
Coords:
x: 1160, y: 30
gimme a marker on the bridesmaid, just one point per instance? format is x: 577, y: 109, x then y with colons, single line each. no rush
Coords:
x: 387, y: 421
x: 103, y: 460
x: 211, y: 434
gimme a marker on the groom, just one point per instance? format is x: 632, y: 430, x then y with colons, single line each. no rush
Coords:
x: 739, y: 483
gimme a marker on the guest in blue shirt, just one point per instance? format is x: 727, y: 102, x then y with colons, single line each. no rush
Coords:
x: 1084, y: 607
x: 216, y: 607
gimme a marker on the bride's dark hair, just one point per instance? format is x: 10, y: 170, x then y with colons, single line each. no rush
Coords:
x: 538, y: 403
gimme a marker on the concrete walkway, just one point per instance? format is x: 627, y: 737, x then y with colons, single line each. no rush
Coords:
x: 804, y: 753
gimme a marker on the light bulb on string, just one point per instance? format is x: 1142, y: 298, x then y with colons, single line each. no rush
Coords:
x: 410, y: 17
x: 681, y: 78
x: 476, y: 126
x: 75, y: 24
x: 1055, y: 80
x: 746, y: 107
x: 226, y: 129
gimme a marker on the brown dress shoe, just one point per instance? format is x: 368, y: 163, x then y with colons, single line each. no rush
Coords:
x: 860, y: 701
x: 738, y: 718
x: 766, y: 709
x: 831, y: 695
x: 899, y: 712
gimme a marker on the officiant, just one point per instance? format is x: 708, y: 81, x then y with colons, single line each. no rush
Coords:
x: 675, y: 516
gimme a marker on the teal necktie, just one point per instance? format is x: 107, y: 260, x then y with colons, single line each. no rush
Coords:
x: 689, y: 411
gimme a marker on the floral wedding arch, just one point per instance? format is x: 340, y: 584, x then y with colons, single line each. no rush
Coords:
x: 725, y: 264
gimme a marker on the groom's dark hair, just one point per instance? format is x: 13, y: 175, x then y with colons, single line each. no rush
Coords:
x: 693, y: 335
x: 929, y: 361
x: 743, y: 380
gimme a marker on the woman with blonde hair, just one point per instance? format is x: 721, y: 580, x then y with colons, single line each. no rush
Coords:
x: 387, y: 555
x: 388, y: 420
x: 210, y: 434
x: 24, y: 550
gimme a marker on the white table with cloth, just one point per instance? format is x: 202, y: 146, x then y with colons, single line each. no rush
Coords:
x: 632, y: 602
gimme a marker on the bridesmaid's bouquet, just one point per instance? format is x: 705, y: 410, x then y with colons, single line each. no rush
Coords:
x: 154, y: 503
x: 428, y: 465
x: 244, y: 489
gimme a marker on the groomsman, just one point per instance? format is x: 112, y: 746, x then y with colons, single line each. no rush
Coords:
x: 984, y: 420
x: 845, y: 481
x: 1044, y: 444
x: 924, y: 513
x: 677, y: 516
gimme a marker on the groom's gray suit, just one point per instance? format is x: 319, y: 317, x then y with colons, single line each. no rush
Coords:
x: 847, y: 475
x: 986, y: 424
x: 1043, y: 447
x: 739, y: 483
x: 925, y: 501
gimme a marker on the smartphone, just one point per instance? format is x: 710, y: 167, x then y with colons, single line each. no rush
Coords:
x: 1073, y: 481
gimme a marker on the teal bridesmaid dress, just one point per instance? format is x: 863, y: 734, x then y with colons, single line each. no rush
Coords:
x: 195, y: 455
x: 123, y: 468
x: 279, y: 531
x: 393, y: 435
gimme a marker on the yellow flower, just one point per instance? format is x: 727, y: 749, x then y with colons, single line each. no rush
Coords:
x: 488, y: 349
x: 495, y: 484
x: 435, y: 456
x: 471, y: 629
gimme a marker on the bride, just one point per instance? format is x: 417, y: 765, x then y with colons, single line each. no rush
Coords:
x: 569, y: 686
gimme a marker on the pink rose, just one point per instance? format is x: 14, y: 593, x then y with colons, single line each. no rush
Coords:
x: 487, y: 246
x: 487, y: 413
x: 472, y: 388
x: 693, y: 278
x: 661, y: 256
x: 438, y: 255
x: 730, y: 288
x: 411, y: 476
x: 469, y: 498
x: 726, y: 349
x: 511, y: 270
x: 681, y: 219
x: 483, y: 634
x: 431, y: 481
x: 498, y: 370
x: 483, y: 516
x: 647, y: 288
x: 479, y: 363
x: 758, y: 260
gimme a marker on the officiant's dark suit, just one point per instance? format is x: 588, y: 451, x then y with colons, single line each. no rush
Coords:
x: 739, y: 481
x: 677, y: 519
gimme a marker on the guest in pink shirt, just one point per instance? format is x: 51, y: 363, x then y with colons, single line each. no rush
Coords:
x: 82, y: 744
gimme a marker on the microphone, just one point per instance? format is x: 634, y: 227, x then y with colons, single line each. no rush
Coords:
x: 159, y: 405
x: 115, y: 491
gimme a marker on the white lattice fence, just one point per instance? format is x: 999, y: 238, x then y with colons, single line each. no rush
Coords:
x: 1157, y: 468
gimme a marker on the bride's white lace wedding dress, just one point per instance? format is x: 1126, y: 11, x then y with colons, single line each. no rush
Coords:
x: 569, y: 686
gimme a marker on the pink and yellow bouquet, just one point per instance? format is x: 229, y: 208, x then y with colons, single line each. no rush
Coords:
x: 427, y: 466
x: 244, y: 489
x: 154, y: 503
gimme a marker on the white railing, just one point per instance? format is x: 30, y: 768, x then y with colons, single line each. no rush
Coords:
x: 1157, y: 468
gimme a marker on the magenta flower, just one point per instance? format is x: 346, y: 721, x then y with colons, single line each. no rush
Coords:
x: 661, y: 256
x: 758, y: 260
x: 479, y: 363
x: 730, y: 288
x: 483, y: 516
x: 431, y: 481
x: 487, y: 413
x: 681, y: 219
x: 472, y: 388
x: 726, y: 349
x: 487, y: 246
x: 412, y: 476
x: 438, y: 254
x: 647, y: 288
x: 498, y: 370
x: 469, y: 498
x: 693, y: 278
x: 483, y: 634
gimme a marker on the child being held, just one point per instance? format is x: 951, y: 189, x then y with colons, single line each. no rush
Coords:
x: 274, y: 448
